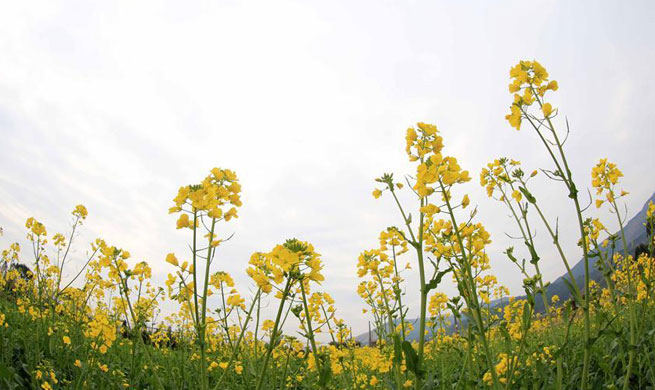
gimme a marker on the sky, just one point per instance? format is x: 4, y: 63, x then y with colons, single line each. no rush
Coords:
x: 115, y: 105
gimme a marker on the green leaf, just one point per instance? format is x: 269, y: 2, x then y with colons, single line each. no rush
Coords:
x: 397, y: 350
x: 437, y: 279
x: 534, y: 257
x: 411, y: 359
x: 510, y: 253
x: 527, y: 313
x: 325, y: 374
x: 504, y: 332
x: 527, y: 195
x: 573, y: 191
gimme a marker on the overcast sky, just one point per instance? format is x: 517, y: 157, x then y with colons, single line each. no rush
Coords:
x: 115, y: 105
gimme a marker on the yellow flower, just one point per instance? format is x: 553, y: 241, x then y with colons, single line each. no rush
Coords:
x: 466, y: 201
x: 377, y: 193
x: 514, y: 117
x: 183, y: 221
x: 235, y: 300
x: 515, y: 86
x: 171, y: 259
x: 216, y: 213
x: 517, y: 195
x: 231, y: 213
x: 374, y: 381
x: 267, y: 325
x: 66, y: 340
x: 528, y: 98
x: 36, y: 227
x: 547, y: 109
x: 78, y: 363
x: 430, y: 209
x: 80, y: 211
x: 59, y: 240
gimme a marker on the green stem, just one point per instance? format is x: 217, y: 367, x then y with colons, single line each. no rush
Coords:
x: 310, y: 331
x: 202, y: 326
x: 418, y: 246
x: 527, y: 238
x: 392, y: 327
x: 573, y: 194
x: 398, y: 294
x: 274, y: 335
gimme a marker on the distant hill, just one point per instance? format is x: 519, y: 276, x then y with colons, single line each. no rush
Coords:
x: 635, y: 235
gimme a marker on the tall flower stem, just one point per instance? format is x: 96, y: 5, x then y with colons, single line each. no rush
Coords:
x: 565, y: 175
x: 473, y: 301
x: 271, y: 343
x: 202, y: 327
x: 418, y: 246
x: 310, y: 331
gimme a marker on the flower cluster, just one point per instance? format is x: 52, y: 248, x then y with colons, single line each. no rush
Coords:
x: 212, y: 197
x: 295, y: 260
x: 37, y: 230
x: 604, y: 177
x: 502, y: 173
x: 102, y: 331
x: 532, y: 78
